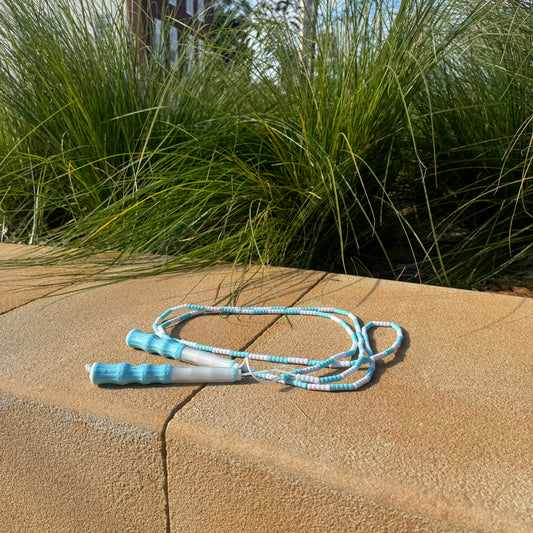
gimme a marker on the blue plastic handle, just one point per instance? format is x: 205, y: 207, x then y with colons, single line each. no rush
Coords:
x: 123, y: 373
x: 153, y: 344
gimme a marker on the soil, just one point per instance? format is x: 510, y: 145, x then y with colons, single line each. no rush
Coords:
x: 509, y: 290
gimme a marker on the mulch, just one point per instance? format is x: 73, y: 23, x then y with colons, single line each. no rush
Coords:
x: 513, y: 291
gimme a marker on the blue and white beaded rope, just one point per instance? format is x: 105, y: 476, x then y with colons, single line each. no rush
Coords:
x: 359, y: 354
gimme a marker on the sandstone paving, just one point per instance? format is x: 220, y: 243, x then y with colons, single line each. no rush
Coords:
x: 76, y: 457
x: 440, y: 440
x: 22, y: 285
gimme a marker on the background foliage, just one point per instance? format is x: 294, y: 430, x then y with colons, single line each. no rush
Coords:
x: 397, y: 143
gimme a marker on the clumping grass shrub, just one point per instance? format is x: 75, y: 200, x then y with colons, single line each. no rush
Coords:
x: 395, y: 140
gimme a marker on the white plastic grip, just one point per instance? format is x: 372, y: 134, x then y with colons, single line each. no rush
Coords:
x: 204, y: 374
x: 202, y: 358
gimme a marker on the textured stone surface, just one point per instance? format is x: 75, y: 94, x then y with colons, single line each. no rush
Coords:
x: 78, y: 457
x: 439, y: 441
x: 21, y: 285
x: 68, y: 471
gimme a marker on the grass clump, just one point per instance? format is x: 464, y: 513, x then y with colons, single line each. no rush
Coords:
x: 395, y: 140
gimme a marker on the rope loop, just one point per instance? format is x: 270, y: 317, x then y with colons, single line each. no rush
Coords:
x: 350, y: 361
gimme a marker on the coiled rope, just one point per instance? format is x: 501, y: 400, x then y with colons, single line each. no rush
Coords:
x: 349, y: 361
